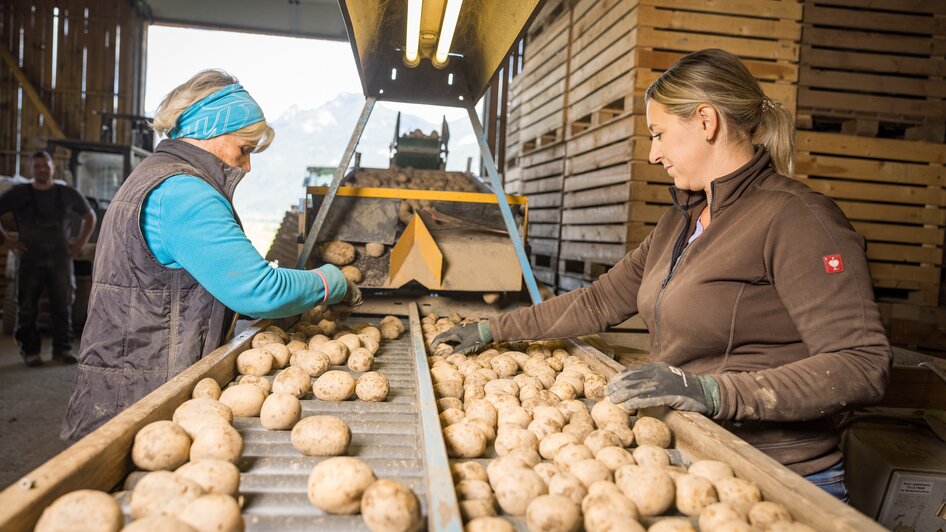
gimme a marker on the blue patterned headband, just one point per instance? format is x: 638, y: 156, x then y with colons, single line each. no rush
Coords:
x: 225, y: 111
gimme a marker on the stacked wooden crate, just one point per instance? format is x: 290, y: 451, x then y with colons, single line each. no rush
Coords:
x: 612, y: 195
x: 539, y: 108
x: 872, y: 98
x: 512, y: 183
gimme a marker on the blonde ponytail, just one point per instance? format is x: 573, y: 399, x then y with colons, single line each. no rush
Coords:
x: 720, y: 79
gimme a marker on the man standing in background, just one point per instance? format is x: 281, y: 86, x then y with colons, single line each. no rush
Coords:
x: 41, y: 210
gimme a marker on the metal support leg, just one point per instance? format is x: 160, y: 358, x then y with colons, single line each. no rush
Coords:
x: 313, y: 234
x: 511, y: 228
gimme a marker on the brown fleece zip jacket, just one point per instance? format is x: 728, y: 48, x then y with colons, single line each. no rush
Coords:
x: 774, y: 300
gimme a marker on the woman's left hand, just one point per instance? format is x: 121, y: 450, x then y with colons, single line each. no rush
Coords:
x: 660, y: 384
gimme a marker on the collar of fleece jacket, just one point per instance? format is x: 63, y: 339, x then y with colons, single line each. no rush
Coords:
x: 726, y: 189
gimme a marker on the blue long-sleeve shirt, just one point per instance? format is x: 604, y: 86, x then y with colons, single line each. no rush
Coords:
x: 188, y: 224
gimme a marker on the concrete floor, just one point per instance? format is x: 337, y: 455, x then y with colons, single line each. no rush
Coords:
x: 32, y: 403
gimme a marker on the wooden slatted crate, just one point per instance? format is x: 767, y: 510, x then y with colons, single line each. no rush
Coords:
x: 894, y: 193
x: 875, y: 66
x: 542, y: 87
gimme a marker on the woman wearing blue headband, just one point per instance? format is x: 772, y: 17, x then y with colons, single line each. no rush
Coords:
x: 173, y: 263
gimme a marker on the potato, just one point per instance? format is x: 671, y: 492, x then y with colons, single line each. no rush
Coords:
x: 372, y: 387
x: 473, y: 489
x: 390, y: 506
x: 568, y: 485
x: 564, y: 391
x: 391, y: 332
x: 614, y: 457
x: 360, y: 360
x: 464, y: 440
x: 672, y: 524
x: 468, y: 471
x: 482, y: 409
x: 740, y: 494
x: 213, y: 512
x: 489, y: 524
x: 711, y: 469
x: 498, y: 467
x: 244, y: 400
x: 504, y: 365
x: 610, y: 512
x: 217, y: 442
x: 263, y: 338
x: 589, y: 471
x: 501, y: 400
x: 623, y: 432
x: 553, y: 513
x: 516, y: 488
x: 570, y: 454
x: 337, y: 252
x: 336, y: 351
x: 328, y: 327
x: 317, y: 340
x: 651, y: 431
x: 214, y: 476
x: 450, y: 416
x: 254, y: 362
x: 579, y: 429
x: 528, y: 455
x: 350, y: 340
x: 502, y: 386
x: 337, y: 484
x: 158, y: 523
x: 651, y: 489
x: 352, y: 273
x: 321, y: 436
x: 471, y: 509
x: 716, y: 514
x: 369, y: 343
x: 280, y: 353
x: 206, y: 388
x: 549, y: 412
x: 595, y: 387
x: 374, y: 249
x: 512, y: 437
x: 605, y: 412
x: 334, y: 386
x: 314, y: 363
x: 694, y: 493
x: 196, y: 414
x: 162, y: 492
x: 548, y: 471
x: 513, y: 414
x: 543, y: 427
x: 160, y: 445
x: 449, y: 402
x: 449, y: 389
x: 551, y: 444
x: 600, y: 439
x: 292, y: 380
x: 260, y: 382
x: 97, y: 511
x: 764, y: 514
x: 607, y: 487
x: 651, y: 456
x: 280, y: 411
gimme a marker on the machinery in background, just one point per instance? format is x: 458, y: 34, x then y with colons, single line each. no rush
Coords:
x: 897, y: 475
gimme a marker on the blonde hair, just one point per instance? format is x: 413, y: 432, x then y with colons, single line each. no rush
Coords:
x: 203, y: 84
x: 718, y: 78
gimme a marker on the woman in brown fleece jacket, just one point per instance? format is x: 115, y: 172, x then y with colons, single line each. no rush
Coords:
x: 755, y: 288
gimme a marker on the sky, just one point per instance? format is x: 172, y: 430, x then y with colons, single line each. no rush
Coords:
x: 278, y: 71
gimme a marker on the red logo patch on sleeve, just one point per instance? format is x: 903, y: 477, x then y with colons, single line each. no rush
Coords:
x: 833, y: 263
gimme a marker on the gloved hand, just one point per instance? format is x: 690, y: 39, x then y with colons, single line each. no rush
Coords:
x: 352, y: 295
x: 469, y: 337
x: 660, y: 384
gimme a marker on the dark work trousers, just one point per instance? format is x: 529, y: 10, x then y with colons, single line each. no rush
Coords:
x: 46, y: 267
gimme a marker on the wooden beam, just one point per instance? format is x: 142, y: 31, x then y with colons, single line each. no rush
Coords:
x: 30, y: 91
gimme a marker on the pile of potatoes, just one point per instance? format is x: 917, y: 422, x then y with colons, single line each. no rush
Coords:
x: 564, y: 466
x: 411, y: 178
x: 345, y: 485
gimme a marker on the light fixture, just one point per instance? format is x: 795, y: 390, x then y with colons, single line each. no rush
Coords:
x: 411, y: 45
x: 450, y: 16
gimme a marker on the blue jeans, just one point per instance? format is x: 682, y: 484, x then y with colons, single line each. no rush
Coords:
x: 831, y: 480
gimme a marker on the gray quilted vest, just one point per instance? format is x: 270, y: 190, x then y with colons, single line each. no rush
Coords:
x: 146, y: 323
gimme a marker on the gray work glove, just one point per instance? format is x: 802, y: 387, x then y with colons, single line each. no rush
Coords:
x: 469, y: 337
x: 352, y: 295
x: 659, y: 384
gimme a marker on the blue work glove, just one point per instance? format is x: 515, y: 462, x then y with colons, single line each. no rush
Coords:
x: 469, y: 337
x: 660, y: 384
